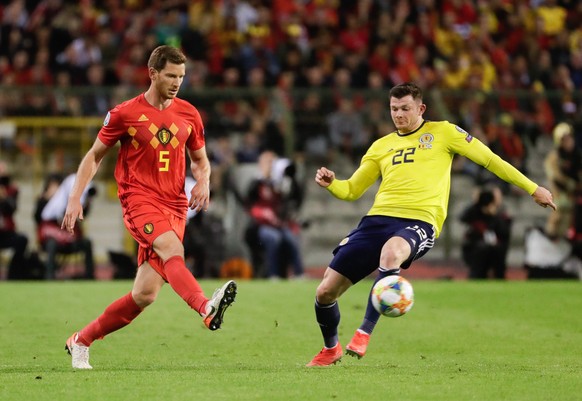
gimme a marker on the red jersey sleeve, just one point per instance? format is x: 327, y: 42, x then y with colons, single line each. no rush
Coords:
x: 113, y: 128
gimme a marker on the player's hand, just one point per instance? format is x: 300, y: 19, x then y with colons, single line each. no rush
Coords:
x: 200, y: 196
x: 544, y: 198
x: 324, y: 177
x: 74, y: 211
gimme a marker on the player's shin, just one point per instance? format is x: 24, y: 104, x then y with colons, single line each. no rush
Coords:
x: 371, y: 317
x: 328, y: 317
x: 185, y: 284
x: 116, y: 316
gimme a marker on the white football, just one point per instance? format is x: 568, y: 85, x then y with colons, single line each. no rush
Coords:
x: 392, y: 296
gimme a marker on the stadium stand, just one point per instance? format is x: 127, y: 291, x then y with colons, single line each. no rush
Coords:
x: 283, y: 75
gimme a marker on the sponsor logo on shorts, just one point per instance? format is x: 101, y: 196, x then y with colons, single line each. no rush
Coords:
x: 344, y: 241
x: 148, y: 228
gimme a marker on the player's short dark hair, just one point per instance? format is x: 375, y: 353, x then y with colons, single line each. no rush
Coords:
x: 161, y: 55
x: 405, y: 89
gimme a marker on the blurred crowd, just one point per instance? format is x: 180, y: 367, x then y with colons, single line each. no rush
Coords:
x: 309, y: 56
x: 471, y: 44
x: 307, y: 79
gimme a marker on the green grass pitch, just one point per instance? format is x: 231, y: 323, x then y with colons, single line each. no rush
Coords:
x: 461, y: 341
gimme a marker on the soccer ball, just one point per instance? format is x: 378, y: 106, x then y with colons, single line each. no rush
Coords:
x: 392, y: 296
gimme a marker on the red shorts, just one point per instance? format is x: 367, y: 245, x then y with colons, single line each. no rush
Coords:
x: 146, y: 221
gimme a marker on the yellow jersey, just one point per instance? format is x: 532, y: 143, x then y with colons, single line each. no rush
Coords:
x: 415, y: 169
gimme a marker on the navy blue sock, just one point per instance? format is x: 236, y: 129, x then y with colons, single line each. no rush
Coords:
x: 371, y: 317
x: 328, y: 317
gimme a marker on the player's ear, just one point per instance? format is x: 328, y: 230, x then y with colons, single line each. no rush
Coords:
x: 422, y: 108
x: 152, y: 73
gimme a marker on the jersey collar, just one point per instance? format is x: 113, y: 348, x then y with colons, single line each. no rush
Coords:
x: 412, y: 132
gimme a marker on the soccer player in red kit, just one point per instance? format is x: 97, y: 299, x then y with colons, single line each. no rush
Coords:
x: 155, y: 130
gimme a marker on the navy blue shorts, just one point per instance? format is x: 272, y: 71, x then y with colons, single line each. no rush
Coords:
x: 358, y: 255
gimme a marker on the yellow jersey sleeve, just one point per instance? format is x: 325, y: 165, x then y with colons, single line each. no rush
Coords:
x: 416, y: 172
x: 478, y: 152
x: 357, y: 184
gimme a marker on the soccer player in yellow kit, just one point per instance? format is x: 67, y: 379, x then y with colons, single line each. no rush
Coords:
x: 410, y: 207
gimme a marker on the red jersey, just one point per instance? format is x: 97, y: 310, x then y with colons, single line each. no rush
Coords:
x: 152, y: 159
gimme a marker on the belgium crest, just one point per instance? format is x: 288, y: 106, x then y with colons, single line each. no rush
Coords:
x: 164, y: 136
x: 148, y: 228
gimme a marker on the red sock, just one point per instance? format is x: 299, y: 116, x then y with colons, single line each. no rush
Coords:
x: 117, y: 315
x: 184, y: 283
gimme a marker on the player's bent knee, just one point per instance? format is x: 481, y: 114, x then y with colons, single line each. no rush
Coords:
x: 144, y: 298
x: 395, y: 254
x: 325, y: 295
x: 394, y: 261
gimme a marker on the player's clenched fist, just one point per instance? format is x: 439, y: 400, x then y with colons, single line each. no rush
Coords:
x: 324, y: 177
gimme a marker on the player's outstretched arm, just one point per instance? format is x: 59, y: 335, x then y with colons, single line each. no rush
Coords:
x: 543, y: 197
x: 324, y: 177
